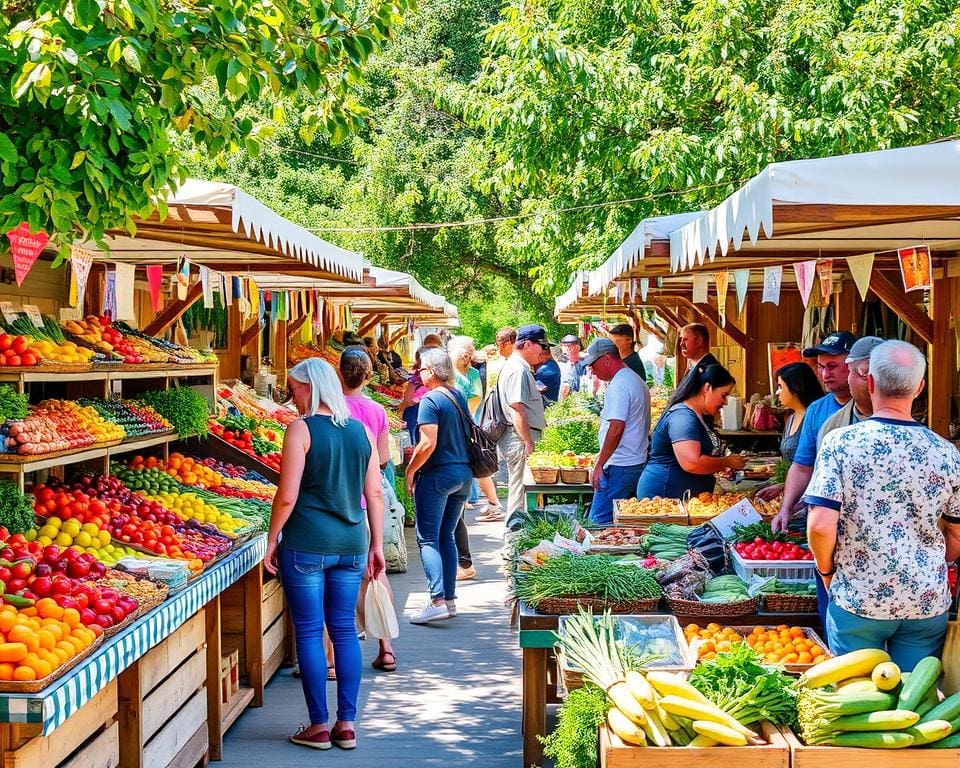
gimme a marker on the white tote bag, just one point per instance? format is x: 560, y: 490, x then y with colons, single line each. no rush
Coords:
x: 380, y: 619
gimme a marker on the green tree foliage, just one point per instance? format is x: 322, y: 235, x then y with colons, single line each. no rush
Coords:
x: 94, y: 89
x: 581, y: 102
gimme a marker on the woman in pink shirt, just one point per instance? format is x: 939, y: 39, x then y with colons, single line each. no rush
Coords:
x: 355, y: 371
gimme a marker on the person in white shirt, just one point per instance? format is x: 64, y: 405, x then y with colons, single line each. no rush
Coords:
x: 624, y: 430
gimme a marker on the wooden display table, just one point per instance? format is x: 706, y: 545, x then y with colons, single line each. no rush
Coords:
x: 534, y: 493
x: 153, y: 695
x: 540, y: 672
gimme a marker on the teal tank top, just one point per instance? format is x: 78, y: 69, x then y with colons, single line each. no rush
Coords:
x: 328, y: 518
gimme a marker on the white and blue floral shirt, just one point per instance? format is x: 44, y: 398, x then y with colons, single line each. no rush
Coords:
x: 891, y: 481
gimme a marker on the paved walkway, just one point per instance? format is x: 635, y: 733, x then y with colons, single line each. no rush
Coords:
x: 453, y: 701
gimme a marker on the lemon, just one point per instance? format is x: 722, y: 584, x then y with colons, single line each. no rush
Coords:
x: 90, y: 528
x: 71, y: 527
x: 64, y: 539
x: 30, y: 535
x: 104, y: 538
x: 45, y: 540
x: 83, y: 539
x: 56, y: 522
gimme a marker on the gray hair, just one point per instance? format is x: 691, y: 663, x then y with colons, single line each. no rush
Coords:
x: 459, y: 345
x: 897, y: 368
x: 438, y: 361
x: 325, y: 388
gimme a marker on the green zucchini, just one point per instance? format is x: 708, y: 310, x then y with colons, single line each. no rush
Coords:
x: 873, y: 740
x: 858, y: 702
x: 929, y: 732
x: 951, y: 742
x: 948, y: 709
x: 887, y: 720
x: 923, y: 676
x: 929, y: 702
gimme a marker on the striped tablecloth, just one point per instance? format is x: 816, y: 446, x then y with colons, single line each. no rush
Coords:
x: 52, y: 706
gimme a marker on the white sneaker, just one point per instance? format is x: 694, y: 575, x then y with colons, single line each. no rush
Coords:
x: 430, y: 613
x: 451, y: 608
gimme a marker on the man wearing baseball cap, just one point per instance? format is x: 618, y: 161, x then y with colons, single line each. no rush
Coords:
x: 860, y: 406
x: 624, y: 429
x: 522, y: 406
x: 574, y: 369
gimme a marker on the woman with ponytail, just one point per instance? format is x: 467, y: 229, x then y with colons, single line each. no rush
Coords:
x: 685, y: 450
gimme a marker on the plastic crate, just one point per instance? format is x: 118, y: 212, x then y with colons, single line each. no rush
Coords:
x: 786, y: 570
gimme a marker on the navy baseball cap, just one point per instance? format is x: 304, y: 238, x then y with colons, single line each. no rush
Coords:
x: 535, y: 333
x: 838, y: 343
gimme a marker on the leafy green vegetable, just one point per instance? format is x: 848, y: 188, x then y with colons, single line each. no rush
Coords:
x: 12, y: 404
x: 16, y: 509
x: 742, y: 686
x: 780, y: 471
x: 577, y: 405
x: 573, y: 743
x: 539, y: 526
x: 599, y: 575
x: 580, y: 435
x: 185, y: 408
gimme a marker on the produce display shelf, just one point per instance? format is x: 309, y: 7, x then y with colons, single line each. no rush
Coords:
x: 16, y: 464
x: 120, y: 373
x: 145, y: 441
x: 52, y: 706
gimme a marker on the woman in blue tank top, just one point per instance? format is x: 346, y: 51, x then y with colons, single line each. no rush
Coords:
x: 322, y: 541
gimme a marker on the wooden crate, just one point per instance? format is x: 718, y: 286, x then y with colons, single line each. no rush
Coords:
x: 804, y: 756
x: 275, y: 628
x: 163, y: 702
x: 615, y: 754
x: 88, y: 739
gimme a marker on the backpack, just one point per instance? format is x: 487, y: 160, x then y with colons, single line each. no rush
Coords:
x: 481, y: 449
x: 493, y: 421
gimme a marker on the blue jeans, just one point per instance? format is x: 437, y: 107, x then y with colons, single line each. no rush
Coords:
x: 906, y: 640
x: 324, y: 589
x: 439, y: 496
x: 474, y: 496
x: 615, y: 483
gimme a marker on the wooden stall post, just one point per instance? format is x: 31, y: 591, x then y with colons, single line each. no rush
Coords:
x: 253, y: 633
x: 130, y: 695
x: 940, y: 354
x: 214, y: 699
x: 280, y: 349
x: 230, y: 358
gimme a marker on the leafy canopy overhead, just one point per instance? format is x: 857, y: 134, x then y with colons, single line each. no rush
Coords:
x: 94, y: 89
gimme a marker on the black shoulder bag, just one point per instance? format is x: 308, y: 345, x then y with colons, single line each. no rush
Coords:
x: 481, y: 450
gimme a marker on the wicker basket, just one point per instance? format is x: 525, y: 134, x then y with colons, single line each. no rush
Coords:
x: 568, y: 605
x: 575, y: 475
x: 34, y: 686
x: 774, y: 603
x: 698, y: 609
x: 545, y: 475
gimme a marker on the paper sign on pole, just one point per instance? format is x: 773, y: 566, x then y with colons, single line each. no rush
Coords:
x: 804, y: 272
x: 32, y: 311
x: 9, y: 312
x: 772, y: 278
x: 25, y: 247
x: 916, y: 268
x: 825, y: 272
x: 701, y: 284
x: 81, y: 261
x: 723, y: 280
x: 154, y: 279
x: 126, y: 274
x: 741, y: 513
x: 741, y: 279
x: 183, y: 277
x: 861, y: 267
x: 644, y: 288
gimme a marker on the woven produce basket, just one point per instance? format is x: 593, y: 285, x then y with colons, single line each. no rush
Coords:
x: 569, y: 604
x: 575, y: 475
x: 545, y: 475
x: 774, y: 603
x: 33, y: 686
x: 698, y: 609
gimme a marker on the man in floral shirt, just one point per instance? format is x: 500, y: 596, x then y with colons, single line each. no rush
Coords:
x: 885, y: 519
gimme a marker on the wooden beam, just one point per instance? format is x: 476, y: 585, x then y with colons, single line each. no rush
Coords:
x: 894, y: 297
x: 397, y: 335
x: 250, y: 332
x: 369, y: 323
x: 174, y: 310
x: 295, y: 325
x: 280, y: 349
x: 667, y: 313
x: 940, y: 354
x: 710, y: 313
x: 641, y: 323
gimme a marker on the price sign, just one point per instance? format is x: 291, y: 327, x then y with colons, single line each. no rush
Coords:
x: 33, y: 312
x: 741, y: 513
x: 70, y: 313
x: 9, y: 312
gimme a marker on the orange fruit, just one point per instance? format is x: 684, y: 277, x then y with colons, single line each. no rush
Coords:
x: 24, y: 674
x: 71, y: 616
x: 6, y: 671
x: 46, y: 639
x: 47, y: 608
x: 61, y: 654
x: 25, y: 635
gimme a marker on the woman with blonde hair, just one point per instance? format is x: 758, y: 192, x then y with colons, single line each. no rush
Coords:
x: 321, y: 541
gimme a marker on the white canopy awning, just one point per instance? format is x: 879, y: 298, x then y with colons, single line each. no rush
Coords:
x: 391, y: 278
x: 925, y: 177
x: 570, y: 296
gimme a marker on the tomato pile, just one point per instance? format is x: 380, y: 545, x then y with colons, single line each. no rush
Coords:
x: 15, y: 351
x: 761, y: 549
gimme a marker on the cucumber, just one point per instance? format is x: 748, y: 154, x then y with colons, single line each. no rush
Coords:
x: 951, y: 742
x: 948, y: 709
x: 885, y: 720
x: 929, y: 702
x: 874, y: 740
x: 923, y: 676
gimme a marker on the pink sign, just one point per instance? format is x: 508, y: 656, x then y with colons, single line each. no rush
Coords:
x: 26, y: 247
x: 154, y: 278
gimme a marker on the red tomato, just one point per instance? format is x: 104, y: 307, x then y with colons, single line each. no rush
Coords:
x: 20, y: 345
x: 14, y: 360
x: 6, y: 341
x: 29, y: 359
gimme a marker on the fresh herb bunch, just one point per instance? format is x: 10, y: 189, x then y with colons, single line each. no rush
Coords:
x: 580, y: 435
x: 185, y: 408
x: 12, y: 404
x: 541, y: 528
x: 742, y: 686
x: 596, y: 575
x: 780, y: 471
x: 573, y: 743
x: 754, y: 531
x: 16, y: 509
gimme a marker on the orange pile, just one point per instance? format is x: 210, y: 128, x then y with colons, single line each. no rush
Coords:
x: 38, y: 640
x: 712, y: 639
x: 183, y: 468
x: 784, y: 645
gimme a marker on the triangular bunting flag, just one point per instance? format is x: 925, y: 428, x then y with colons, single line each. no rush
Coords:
x: 861, y: 268
x: 633, y: 289
x: 723, y: 279
x: 81, y: 261
x: 825, y: 273
x: 25, y: 247
x: 126, y: 274
x: 741, y: 280
x: 804, y: 272
x: 154, y: 279
x: 772, y: 278
x: 644, y: 288
x: 701, y: 285
x: 110, y: 295
x: 183, y: 277
x: 207, y: 286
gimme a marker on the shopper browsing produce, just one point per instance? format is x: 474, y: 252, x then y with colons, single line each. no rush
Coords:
x: 694, y: 343
x: 685, y: 450
x: 574, y: 369
x: 623, y: 337
x: 624, y: 429
x: 329, y: 461
x: 896, y: 487
x: 860, y: 406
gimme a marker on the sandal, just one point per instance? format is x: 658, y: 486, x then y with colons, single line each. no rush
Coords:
x: 380, y: 663
x: 331, y: 672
